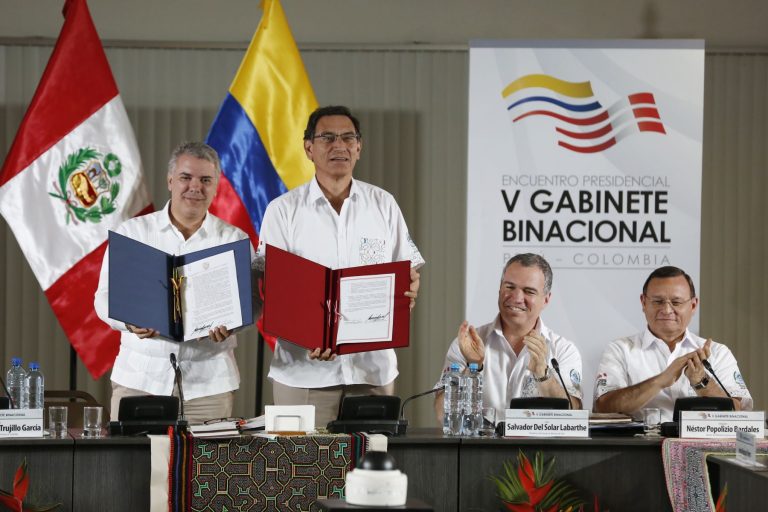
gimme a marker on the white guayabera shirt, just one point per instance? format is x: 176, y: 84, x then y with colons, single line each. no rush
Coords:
x: 634, y: 359
x: 370, y: 229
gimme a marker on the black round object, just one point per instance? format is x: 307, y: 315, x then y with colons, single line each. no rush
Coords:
x: 377, y: 461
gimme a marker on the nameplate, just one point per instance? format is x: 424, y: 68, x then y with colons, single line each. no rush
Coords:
x: 721, y: 424
x: 21, y: 423
x: 546, y: 423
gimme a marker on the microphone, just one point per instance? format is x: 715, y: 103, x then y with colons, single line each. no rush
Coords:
x: 556, y: 366
x: 433, y: 390
x: 177, y: 382
x: 712, y: 371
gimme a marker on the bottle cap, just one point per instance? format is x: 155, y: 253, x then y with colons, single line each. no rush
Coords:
x: 34, y: 365
x: 473, y: 367
x: 16, y: 361
x: 454, y: 367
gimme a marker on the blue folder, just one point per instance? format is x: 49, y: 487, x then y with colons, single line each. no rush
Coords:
x: 140, y: 291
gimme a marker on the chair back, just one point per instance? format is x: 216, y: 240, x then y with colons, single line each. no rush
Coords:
x: 74, y: 401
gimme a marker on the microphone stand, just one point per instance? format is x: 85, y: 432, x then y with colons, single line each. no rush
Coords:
x: 433, y: 390
x: 712, y: 371
x: 7, y: 393
x: 556, y: 366
x: 177, y: 383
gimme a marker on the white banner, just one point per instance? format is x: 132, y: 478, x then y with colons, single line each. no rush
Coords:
x: 588, y: 153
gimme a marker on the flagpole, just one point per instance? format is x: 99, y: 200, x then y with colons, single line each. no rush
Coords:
x: 259, y: 369
x: 72, y: 368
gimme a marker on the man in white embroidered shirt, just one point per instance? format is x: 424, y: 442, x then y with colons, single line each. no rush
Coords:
x: 664, y: 362
x: 338, y: 222
x: 514, y: 351
x: 208, y: 366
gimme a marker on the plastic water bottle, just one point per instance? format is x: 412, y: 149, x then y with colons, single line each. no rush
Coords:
x: 472, y: 402
x: 35, y: 386
x: 451, y: 398
x: 16, y: 380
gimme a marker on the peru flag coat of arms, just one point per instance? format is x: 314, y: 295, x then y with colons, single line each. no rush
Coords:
x: 73, y: 173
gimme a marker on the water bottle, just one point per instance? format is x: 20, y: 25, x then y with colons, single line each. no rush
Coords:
x: 451, y: 405
x: 16, y: 380
x: 35, y: 386
x: 472, y: 402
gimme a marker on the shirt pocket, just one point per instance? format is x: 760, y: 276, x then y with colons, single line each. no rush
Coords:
x: 373, y: 251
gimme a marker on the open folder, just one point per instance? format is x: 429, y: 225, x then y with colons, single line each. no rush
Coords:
x: 212, y: 287
x: 355, y: 309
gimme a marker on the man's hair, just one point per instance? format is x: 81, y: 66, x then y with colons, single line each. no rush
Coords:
x: 669, y: 271
x: 528, y: 259
x: 332, y: 110
x: 199, y: 150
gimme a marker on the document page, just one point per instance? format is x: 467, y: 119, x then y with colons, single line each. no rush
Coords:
x: 366, y: 309
x: 210, y: 295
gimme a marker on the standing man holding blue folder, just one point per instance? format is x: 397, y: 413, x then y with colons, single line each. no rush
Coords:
x: 208, y: 366
x: 338, y: 222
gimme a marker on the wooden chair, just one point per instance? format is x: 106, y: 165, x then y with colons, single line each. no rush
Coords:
x: 74, y: 401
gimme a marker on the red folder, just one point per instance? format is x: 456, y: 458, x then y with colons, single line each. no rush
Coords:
x: 301, y: 299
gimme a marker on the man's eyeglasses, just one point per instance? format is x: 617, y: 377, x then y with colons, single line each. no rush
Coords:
x: 222, y: 420
x: 658, y: 302
x: 348, y: 138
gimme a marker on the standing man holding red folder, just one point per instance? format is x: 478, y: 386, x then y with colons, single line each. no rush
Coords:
x: 338, y: 222
x: 208, y: 366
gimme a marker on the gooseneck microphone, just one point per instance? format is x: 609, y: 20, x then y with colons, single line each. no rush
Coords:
x: 556, y: 366
x: 433, y: 390
x: 712, y: 371
x: 177, y: 383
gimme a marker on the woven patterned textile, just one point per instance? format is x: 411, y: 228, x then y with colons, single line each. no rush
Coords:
x: 685, y: 469
x: 258, y: 473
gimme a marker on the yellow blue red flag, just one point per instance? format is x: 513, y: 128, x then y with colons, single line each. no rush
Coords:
x: 259, y: 129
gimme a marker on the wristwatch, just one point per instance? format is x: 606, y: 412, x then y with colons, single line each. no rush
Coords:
x: 543, y: 378
x: 702, y: 383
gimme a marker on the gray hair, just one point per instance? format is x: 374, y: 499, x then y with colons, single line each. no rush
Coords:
x: 528, y: 259
x: 199, y: 150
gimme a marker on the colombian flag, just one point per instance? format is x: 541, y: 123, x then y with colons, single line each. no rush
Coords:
x: 259, y: 129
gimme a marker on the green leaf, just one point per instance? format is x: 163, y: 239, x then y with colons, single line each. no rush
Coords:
x: 79, y: 213
x: 93, y: 215
x: 72, y: 163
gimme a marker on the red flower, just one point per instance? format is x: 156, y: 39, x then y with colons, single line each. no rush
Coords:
x: 519, y: 507
x: 14, y: 501
x: 528, y: 480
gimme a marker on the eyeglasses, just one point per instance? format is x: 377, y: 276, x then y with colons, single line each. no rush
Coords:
x: 348, y: 138
x: 221, y: 420
x: 658, y: 302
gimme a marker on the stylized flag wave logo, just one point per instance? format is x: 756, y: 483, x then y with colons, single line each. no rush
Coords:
x: 584, y: 125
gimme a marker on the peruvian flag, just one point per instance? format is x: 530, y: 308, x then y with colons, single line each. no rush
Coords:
x: 72, y: 174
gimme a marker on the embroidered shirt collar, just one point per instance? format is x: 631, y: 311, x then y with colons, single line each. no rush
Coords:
x: 689, y: 341
x: 165, y: 223
x: 316, y: 193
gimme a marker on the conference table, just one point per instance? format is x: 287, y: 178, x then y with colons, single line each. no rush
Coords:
x: 747, y: 487
x: 449, y: 473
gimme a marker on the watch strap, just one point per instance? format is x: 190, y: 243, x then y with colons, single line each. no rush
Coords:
x: 702, y: 383
x: 545, y: 377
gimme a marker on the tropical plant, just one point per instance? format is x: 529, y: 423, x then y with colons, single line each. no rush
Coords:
x: 720, y: 506
x: 526, y: 487
x: 13, y: 501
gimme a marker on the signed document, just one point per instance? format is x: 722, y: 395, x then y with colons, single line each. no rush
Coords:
x: 346, y: 310
x: 366, y: 305
x: 182, y: 297
x: 210, y: 295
